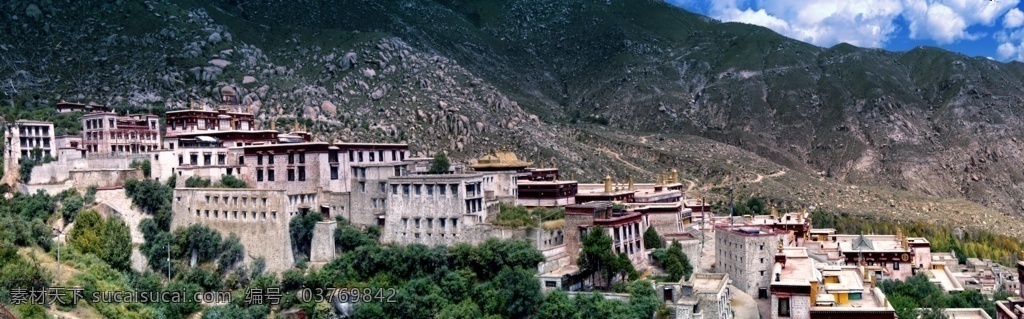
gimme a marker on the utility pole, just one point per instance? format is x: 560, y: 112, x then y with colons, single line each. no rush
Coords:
x: 731, y: 222
x: 168, y: 262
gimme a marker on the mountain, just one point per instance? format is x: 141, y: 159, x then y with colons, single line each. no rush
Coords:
x: 627, y: 88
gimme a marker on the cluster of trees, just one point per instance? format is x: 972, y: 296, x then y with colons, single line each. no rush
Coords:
x: 152, y: 198
x: 109, y: 239
x: 751, y: 206
x: 965, y: 243
x: 23, y: 219
x: 917, y: 292
x: 519, y: 216
x: 652, y: 240
x: 226, y: 181
x: 597, y: 258
x: 673, y: 261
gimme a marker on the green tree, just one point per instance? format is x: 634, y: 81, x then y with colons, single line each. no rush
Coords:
x: 519, y: 291
x: 651, y: 239
x: 301, y: 230
x: 557, y: 306
x: 643, y: 299
x: 144, y: 165
x: 87, y: 233
x: 232, y: 252
x: 117, y: 244
x: 440, y: 165
x: 70, y: 207
x: 676, y: 263
x: 597, y: 256
x: 467, y: 309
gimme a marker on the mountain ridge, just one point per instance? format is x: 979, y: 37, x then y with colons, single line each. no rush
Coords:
x: 467, y: 76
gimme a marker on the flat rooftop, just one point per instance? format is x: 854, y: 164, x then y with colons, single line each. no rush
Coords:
x: 799, y: 269
x: 708, y: 283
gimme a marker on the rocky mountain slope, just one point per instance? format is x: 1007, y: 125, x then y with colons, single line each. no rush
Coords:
x: 627, y: 88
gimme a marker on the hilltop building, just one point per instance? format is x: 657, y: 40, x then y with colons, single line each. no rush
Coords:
x: 106, y: 133
x: 23, y: 136
x: 70, y: 107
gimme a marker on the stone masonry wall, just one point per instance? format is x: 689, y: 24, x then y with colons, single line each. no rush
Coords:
x: 747, y: 259
x: 257, y: 216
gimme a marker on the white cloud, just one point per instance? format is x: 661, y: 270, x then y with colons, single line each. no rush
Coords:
x: 1013, y: 19
x: 870, y: 23
x: 1006, y: 50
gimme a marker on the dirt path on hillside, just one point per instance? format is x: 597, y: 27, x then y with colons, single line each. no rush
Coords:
x: 619, y: 158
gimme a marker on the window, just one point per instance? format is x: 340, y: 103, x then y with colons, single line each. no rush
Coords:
x: 241, y: 160
x: 441, y: 189
x: 394, y: 189
x: 259, y: 159
x: 302, y: 173
x: 393, y: 155
x: 417, y: 223
x: 402, y: 154
x: 783, y: 307
x: 270, y: 159
x: 398, y: 171
x: 383, y: 187
x: 362, y: 187
x: 302, y: 158
x: 351, y: 156
x: 181, y: 160
x: 430, y: 223
x: 332, y: 156
x: 455, y: 189
x: 259, y: 175
x: 430, y: 190
x: 270, y: 175
x: 417, y: 187
x: 405, y: 190
x: 334, y: 173
x: 405, y: 222
x: 856, y: 296
x: 441, y: 220
x: 291, y: 175
x: 455, y: 223
x: 360, y: 157
x: 895, y: 265
x: 372, y: 158
x: 221, y: 158
x: 550, y: 283
x: 380, y: 156
x: 207, y: 159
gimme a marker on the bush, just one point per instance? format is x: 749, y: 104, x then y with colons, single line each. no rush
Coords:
x: 197, y: 182
x: 230, y: 181
x: 301, y: 230
x: 144, y: 165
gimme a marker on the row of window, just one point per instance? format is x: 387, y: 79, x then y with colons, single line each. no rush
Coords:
x: 373, y: 156
x: 98, y: 124
x: 291, y: 173
x: 428, y: 189
x: 234, y: 200
x: 207, y: 158
x: 417, y: 235
x: 291, y: 158
x: 35, y: 130
x: 299, y: 199
x: 245, y: 215
x: 442, y: 223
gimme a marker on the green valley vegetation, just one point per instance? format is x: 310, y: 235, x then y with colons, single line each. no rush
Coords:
x: 107, y: 238
x: 918, y: 292
x: 749, y: 206
x: 518, y: 216
x: 966, y: 243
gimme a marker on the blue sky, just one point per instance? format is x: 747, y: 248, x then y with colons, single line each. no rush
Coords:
x: 985, y: 28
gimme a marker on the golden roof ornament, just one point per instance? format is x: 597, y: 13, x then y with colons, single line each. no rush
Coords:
x: 631, y: 183
x: 780, y: 245
x: 607, y: 183
x: 675, y: 176
x: 273, y: 125
x: 191, y: 105
x: 295, y: 125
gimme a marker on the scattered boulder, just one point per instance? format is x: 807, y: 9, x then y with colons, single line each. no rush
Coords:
x: 220, y: 63
x: 329, y: 108
x: 348, y: 61
x: 33, y: 11
x: 248, y: 79
x: 369, y: 73
x: 214, y: 38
